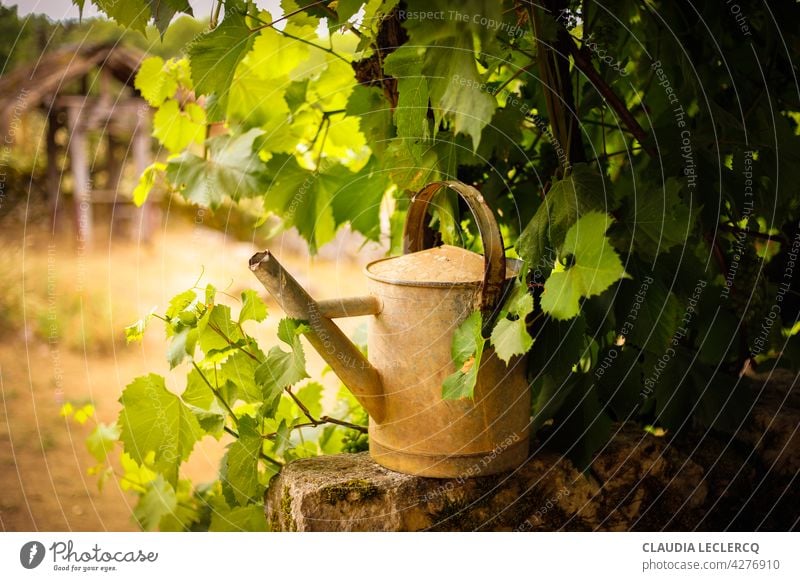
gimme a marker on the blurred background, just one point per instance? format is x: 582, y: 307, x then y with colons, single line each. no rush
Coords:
x: 80, y: 261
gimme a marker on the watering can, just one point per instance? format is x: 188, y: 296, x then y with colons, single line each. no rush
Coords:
x: 416, y: 302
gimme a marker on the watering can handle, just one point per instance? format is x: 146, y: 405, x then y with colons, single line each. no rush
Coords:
x: 417, y: 236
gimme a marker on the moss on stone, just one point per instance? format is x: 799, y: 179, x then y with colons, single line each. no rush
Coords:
x: 351, y: 491
x: 286, y: 510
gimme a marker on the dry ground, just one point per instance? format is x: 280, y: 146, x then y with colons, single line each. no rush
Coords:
x: 84, y: 299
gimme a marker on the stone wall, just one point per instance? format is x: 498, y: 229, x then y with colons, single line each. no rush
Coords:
x: 697, y: 480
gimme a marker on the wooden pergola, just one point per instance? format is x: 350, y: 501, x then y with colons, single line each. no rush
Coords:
x: 74, y: 87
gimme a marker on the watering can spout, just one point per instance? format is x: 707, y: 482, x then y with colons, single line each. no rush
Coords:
x: 331, y: 343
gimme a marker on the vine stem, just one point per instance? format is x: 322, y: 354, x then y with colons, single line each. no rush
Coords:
x: 313, y: 422
x: 217, y: 394
x: 762, y: 236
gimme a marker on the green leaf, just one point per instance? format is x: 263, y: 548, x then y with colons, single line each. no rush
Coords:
x: 592, y: 267
x: 215, y: 55
x: 154, y: 419
x: 164, y: 10
x: 128, y: 13
x: 281, y: 369
x: 358, y: 200
x: 253, y: 308
x: 176, y: 129
x: 180, y: 303
x: 369, y: 105
x: 510, y: 337
x: 568, y: 199
x: 183, y: 344
x: 657, y: 219
x: 197, y: 392
x: 649, y: 313
x: 248, y: 518
x: 242, y: 462
x: 311, y: 396
x: 146, y: 182
x: 232, y: 169
x: 466, y: 352
x: 151, y: 81
x: 239, y: 370
x: 102, y: 440
x: 411, y: 113
x: 217, y: 330
x: 455, y: 86
x: 158, y: 501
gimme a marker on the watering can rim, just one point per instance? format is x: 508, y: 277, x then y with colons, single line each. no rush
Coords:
x: 512, y: 270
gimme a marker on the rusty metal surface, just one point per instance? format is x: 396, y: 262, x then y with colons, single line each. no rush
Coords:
x: 422, y: 434
x: 414, y: 237
x: 349, y: 307
x: 345, y: 359
x: 441, y: 266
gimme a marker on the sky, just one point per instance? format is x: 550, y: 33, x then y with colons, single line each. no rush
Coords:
x: 63, y: 9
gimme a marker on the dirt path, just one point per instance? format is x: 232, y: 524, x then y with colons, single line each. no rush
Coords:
x: 83, y: 300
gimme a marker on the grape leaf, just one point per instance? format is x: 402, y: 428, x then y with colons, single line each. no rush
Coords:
x: 232, y: 169
x: 217, y: 330
x: 239, y: 371
x: 248, y: 518
x: 658, y: 220
x: 164, y: 10
x: 374, y: 116
x: 467, y: 351
x: 253, y: 307
x: 649, y: 313
x: 510, y: 336
x: 130, y: 14
x: 180, y: 303
x: 176, y: 129
x: 183, y: 344
x: 154, y: 85
x: 158, y: 501
x: 214, y: 56
x: 411, y: 113
x: 358, y: 199
x: 242, y: 462
x: 102, y: 440
x: 146, y: 182
x: 594, y: 267
x: 154, y: 419
x: 281, y: 369
x: 568, y: 199
x: 455, y: 87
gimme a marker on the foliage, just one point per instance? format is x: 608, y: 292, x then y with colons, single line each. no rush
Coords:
x: 653, y: 202
x: 261, y: 403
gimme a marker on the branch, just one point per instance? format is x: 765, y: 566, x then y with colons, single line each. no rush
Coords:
x: 584, y: 64
x: 313, y: 422
x: 760, y: 235
x: 217, y: 394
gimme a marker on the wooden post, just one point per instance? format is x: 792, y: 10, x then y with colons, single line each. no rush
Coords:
x: 53, y: 176
x: 113, y: 163
x: 141, y: 159
x: 80, y: 175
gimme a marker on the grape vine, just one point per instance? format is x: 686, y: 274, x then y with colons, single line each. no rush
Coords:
x: 653, y: 203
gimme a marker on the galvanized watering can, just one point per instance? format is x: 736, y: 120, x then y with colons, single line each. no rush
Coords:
x: 416, y: 302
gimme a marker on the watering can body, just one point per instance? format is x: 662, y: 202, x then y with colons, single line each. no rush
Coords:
x: 416, y: 302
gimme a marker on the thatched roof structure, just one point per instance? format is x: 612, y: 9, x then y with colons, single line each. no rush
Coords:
x: 39, y: 82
